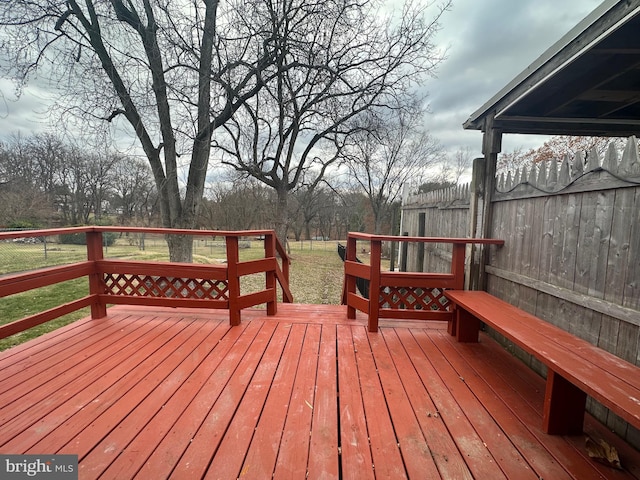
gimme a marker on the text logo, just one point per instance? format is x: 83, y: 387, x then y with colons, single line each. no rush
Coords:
x: 50, y: 467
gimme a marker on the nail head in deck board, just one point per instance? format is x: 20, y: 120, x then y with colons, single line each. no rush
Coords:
x: 225, y: 357
x: 496, y: 444
x: 323, y: 449
x: 132, y: 413
x: 471, y: 446
x: 142, y: 446
x: 385, y: 453
x: 499, y: 398
x: 83, y: 371
x: 443, y: 450
x: 58, y: 427
x: 514, y: 386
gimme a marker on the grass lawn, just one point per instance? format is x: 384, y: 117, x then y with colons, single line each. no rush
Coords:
x: 316, y: 275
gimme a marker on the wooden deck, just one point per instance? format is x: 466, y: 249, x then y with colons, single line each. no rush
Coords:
x: 155, y: 393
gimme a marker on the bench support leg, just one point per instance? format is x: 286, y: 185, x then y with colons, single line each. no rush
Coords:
x: 467, y: 326
x: 564, y: 406
x: 452, y: 325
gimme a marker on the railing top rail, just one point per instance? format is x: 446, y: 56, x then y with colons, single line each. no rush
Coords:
x: 154, y: 230
x: 397, y: 238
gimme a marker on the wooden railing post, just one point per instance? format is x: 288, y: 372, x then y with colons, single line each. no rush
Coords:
x: 457, y: 264
x: 233, y: 257
x: 285, y: 267
x: 271, y: 280
x: 404, y: 252
x: 96, y: 284
x: 350, y: 280
x: 374, y: 284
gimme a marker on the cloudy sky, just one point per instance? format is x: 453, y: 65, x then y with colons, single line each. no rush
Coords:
x: 489, y: 42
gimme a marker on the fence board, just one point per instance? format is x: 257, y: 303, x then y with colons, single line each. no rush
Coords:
x: 602, y: 234
x: 535, y: 234
x: 619, y: 246
x: 631, y: 292
x: 546, y: 248
x: 586, y: 242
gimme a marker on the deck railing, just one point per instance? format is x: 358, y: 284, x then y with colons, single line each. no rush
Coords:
x: 116, y: 281
x: 402, y: 295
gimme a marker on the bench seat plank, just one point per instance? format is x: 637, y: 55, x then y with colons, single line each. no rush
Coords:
x: 577, y: 367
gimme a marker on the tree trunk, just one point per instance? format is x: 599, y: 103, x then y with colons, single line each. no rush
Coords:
x: 378, y: 218
x: 180, y: 248
x: 282, y: 215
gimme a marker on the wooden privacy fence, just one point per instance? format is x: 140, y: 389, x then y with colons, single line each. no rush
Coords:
x: 168, y: 284
x: 572, y: 253
x: 403, y: 295
x: 572, y: 246
x: 442, y: 213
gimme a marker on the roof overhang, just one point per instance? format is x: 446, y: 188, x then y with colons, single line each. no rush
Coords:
x: 588, y: 83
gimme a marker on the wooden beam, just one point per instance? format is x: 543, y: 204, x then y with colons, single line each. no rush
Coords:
x: 472, y: 277
x: 491, y: 147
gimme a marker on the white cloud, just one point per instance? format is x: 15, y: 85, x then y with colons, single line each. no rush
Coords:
x: 23, y: 114
x: 490, y: 42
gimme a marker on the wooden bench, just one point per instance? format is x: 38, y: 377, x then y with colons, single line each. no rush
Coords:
x: 575, y: 367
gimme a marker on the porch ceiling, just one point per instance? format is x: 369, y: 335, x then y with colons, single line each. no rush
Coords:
x: 588, y: 83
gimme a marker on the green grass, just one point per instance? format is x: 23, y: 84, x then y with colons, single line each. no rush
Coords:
x: 28, y: 303
x: 21, y: 257
x: 316, y: 275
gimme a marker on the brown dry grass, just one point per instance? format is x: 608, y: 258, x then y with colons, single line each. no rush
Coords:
x: 316, y: 276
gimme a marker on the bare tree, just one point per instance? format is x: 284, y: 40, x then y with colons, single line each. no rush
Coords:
x: 22, y: 202
x: 72, y: 181
x: 353, y: 212
x: 560, y: 145
x: 350, y: 57
x: 238, y: 205
x: 133, y: 191
x: 72, y: 188
x: 17, y: 164
x: 28, y: 167
x: 47, y: 153
x: 556, y: 148
x: 510, y: 161
x: 172, y: 71
x: 393, y: 150
x: 313, y: 207
x: 461, y: 162
x: 100, y: 179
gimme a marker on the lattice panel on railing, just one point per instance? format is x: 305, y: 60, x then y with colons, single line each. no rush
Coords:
x: 413, y: 298
x: 165, y: 287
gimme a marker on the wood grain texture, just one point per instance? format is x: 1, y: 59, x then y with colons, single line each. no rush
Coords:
x: 151, y: 392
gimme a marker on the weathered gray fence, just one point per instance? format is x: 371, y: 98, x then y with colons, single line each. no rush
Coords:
x: 572, y: 247
x: 440, y: 213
